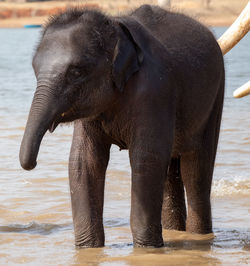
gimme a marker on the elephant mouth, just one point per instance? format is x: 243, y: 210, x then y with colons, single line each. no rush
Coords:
x: 54, y: 124
x: 64, y: 117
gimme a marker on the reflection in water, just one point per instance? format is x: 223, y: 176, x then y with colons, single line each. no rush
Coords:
x: 186, y: 241
x: 35, y: 216
x: 181, y: 248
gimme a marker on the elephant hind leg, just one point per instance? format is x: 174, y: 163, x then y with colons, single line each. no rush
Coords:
x: 197, y: 176
x: 174, y: 208
x: 197, y: 171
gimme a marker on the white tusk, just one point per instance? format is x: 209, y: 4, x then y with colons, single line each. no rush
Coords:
x: 231, y: 37
x: 164, y: 3
x: 236, y: 32
x: 242, y: 91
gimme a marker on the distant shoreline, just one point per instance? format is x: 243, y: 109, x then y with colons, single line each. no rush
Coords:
x: 21, y: 22
x: 16, y: 15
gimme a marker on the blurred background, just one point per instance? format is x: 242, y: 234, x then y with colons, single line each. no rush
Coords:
x: 16, y: 13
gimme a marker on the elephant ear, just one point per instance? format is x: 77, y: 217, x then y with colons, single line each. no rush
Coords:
x: 127, y: 57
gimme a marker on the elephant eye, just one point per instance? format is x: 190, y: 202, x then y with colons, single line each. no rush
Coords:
x: 75, y: 72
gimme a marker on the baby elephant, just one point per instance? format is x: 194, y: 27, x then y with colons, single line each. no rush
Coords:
x: 151, y: 82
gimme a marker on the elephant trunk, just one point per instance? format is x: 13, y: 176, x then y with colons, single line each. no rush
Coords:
x: 40, y: 118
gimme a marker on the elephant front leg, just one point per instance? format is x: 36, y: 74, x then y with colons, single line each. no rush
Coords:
x: 87, y: 166
x: 148, y: 174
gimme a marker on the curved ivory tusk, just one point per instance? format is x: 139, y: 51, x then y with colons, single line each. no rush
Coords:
x: 164, y: 3
x: 242, y: 91
x: 236, y: 32
x: 231, y: 37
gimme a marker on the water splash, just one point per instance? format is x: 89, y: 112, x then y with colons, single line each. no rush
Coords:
x: 234, y: 187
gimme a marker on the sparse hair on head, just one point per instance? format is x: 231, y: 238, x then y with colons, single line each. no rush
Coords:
x: 100, y: 26
x: 75, y: 15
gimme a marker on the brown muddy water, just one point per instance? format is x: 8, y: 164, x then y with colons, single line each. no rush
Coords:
x: 35, y: 216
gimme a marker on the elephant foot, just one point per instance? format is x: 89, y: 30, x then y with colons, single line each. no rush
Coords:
x: 196, y: 228
x: 150, y: 238
x: 93, y: 238
x: 89, y: 244
x: 199, y: 222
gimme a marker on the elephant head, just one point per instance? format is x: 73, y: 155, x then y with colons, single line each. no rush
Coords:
x: 82, y: 64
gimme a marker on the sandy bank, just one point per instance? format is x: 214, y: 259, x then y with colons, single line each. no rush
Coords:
x: 219, y: 13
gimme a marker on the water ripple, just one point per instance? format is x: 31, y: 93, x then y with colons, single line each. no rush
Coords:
x: 35, y: 228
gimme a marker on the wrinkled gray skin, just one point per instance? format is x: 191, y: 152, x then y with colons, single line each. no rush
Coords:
x: 151, y: 82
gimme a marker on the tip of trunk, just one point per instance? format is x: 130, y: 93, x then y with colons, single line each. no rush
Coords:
x: 26, y: 163
x: 29, y: 149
